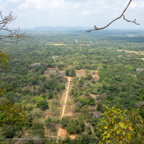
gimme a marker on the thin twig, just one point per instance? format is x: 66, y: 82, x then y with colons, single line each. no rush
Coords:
x: 95, y: 28
x: 14, y: 36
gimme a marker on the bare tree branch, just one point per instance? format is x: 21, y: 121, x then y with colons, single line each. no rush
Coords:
x: 95, y: 28
x: 14, y: 36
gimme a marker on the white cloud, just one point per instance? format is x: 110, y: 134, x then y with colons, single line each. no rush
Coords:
x: 15, y: 1
x: 134, y: 5
x: 86, y: 12
x: 71, y: 12
x: 23, y: 6
x: 21, y: 15
x: 137, y: 5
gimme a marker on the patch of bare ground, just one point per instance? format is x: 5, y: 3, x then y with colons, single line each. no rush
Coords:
x: 128, y: 51
x: 48, y: 71
x: 69, y: 114
x: 80, y: 73
x: 56, y: 44
x: 93, y: 96
x: 62, y: 97
x: 62, y: 132
x: 59, y: 44
x: 72, y: 137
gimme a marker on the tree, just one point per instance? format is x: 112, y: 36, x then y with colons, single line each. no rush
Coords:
x: 48, y: 120
x: 64, y: 122
x: 71, y: 72
x: 11, y: 114
x: 14, y: 36
x: 3, y: 59
x: 38, y: 129
x: 122, y: 15
x: 43, y: 105
x: 121, y: 126
x: 38, y: 100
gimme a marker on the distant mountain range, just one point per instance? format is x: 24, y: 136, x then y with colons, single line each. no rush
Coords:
x: 61, y: 27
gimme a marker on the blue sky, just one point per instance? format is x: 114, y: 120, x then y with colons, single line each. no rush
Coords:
x: 34, y: 13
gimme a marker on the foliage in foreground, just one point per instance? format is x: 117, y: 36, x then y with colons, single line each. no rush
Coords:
x: 122, y: 126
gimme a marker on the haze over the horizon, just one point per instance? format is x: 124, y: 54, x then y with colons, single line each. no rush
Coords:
x: 86, y: 13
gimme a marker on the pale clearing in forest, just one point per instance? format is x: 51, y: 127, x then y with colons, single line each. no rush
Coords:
x: 128, y: 51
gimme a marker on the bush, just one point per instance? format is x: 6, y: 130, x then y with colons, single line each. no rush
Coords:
x: 38, y: 129
x: 76, y: 109
x: 43, y: 105
x: 99, y: 107
x: 71, y: 72
x: 71, y: 127
x: 36, y: 113
x: 54, y: 129
x: 89, y: 76
x: 64, y: 122
x: 37, y: 125
x: 9, y: 132
x: 55, y: 120
x: 92, y: 101
x: 42, y: 89
x: 38, y: 100
x: 76, y: 126
x: 78, y: 104
x: 48, y: 121
x: 44, y: 96
x: 24, y: 102
x: 42, y: 78
x: 29, y: 108
x: 50, y: 96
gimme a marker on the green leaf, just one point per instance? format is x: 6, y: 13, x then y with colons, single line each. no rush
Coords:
x: 124, y: 133
x: 118, y: 131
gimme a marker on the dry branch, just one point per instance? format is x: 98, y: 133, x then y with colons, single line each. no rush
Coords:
x: 14, y: 36
x: 122, y: 15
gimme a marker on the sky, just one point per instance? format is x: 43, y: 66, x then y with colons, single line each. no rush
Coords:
x: 86, y: 13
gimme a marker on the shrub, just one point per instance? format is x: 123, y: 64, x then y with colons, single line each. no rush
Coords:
x: 55, y: 120
x: 53, y: 129
x: 76, y: 109
x: 78, y: 104
x: 99, y: 107
x: 24, y: 102
x: 38, y: 129
x: 71, y: 127
x: 42, y: 78
x: 43, y: 105
x: 44, y: 96
x: 64, y: 122
x: 48, y: 121
x: 9, y: 132
x: 29, y: 108
x: 76, y: 126
x: 36, y: 113
x: 50, y: 96
x: 38, y: 100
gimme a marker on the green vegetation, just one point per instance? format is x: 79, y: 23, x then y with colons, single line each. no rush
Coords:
x: 103, y: 74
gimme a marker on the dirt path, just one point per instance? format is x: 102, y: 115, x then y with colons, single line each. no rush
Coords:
x: 62, y: 132
x: 65, y: 99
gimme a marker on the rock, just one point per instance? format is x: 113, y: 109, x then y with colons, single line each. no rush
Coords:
x: 97, y: 115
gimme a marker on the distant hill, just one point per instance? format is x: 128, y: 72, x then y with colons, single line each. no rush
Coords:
x: 61, y: 28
